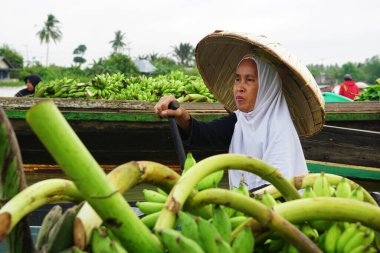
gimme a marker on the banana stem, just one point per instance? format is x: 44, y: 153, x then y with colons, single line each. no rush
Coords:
x: 187, y: 182
x: 123, y: 177
x: 78, y: 164
x: 34, y: 196
x: 308, y: 180
x: 320, y: 208
x: 263, y: 214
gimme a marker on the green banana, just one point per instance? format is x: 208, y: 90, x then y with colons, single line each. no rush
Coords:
x: 267, y: 199
x: 61, y: 235
x: 321, y: 186
x: 321, y: 225
x: 189, y: 162
x: 343, y: 189
x: 222, y: 223
x: 153, y: 196
x: 207, y: 235
x: 292, y: 249
x: 223, y: 246
x: 346, y: 235
x: 101, y: 242
x: 150, y: 219
x: 331, y: 239
x: 276, y: 245
x: 358, y: 194
x: 189, y: 226
x: 48, y: 222
x: 308, y: 193
x: 162, y: 192
x: 242, y: 189
x: 244, y: 241
x: 364, y: 249
x: 310, y: 232
x: 321, y: 239
x: 360, y: 238
x: 149, y: 207
x: 209, y: 181
x: 237, y: 221
x: 175, y: 242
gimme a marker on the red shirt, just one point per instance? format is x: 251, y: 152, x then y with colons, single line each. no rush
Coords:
x: 349, y: 89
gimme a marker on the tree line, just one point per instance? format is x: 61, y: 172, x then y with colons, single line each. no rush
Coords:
x: 183, y: 54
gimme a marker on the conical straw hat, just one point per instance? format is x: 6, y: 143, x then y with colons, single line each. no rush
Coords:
x: 218, y: 54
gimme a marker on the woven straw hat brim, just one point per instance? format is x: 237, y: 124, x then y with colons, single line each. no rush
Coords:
x: 218, y: 54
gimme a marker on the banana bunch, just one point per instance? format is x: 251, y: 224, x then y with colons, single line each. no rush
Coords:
x: 198, y: 235
x: 120, y: 87
x: 151, y: 207
x: 345, y: 237
x: 339, y: 236
x: 59, y: 88
x: 194, y: 98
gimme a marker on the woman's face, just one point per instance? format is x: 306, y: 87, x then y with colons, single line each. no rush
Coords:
x: 29, y: 86
x: 246, y: 85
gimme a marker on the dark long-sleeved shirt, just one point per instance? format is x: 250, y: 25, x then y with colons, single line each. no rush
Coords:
x: 215, y: 133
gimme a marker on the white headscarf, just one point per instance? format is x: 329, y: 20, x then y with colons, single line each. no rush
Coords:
x: 267, y: 132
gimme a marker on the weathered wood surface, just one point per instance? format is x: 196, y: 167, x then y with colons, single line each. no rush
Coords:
x: 120, y: 131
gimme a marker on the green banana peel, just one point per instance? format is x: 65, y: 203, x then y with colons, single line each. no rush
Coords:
x: 263, y: 214
x: 187, y: 182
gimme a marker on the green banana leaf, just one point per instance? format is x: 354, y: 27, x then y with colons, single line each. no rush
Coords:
x: 12, y: 181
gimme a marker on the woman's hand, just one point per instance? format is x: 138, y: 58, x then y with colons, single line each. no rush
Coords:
x: 181, y: 116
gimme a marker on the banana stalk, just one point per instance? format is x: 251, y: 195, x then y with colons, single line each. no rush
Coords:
x: 263, y: 214
x: 123, y: 177
x: 327, y: 208
x: 308, y: 180
x: 78, y: 164
x: 12, y: 181
x: 34, y: 196
x: 187, y: 182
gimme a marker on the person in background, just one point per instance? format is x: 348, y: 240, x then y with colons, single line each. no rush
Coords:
x: 31, y: 82
x: 349, y: 88
x: 261, y: 127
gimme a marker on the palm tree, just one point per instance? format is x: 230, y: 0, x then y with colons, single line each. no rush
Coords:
x: 79, y: 52
x: 49, y: 32
x: 184, y: 53
x: 118, y: 43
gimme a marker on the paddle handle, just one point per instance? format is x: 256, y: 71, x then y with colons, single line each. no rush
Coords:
x: 174, y: 105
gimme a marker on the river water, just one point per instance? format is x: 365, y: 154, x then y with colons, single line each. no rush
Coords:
x: 9, y: 91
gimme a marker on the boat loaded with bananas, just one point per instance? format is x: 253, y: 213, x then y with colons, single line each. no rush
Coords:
x: 116, y: 131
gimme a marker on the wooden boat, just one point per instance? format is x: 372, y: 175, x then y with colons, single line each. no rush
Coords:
x: 116, y: 132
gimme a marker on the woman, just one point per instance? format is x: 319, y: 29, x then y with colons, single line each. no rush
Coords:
x: 31, y: 82
x: 261, y: 127
x: 273, y: 96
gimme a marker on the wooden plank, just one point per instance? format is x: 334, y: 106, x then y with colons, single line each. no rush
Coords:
x: 342, y: 145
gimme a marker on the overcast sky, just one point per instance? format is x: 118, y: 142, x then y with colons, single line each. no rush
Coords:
x: 316, y: 31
